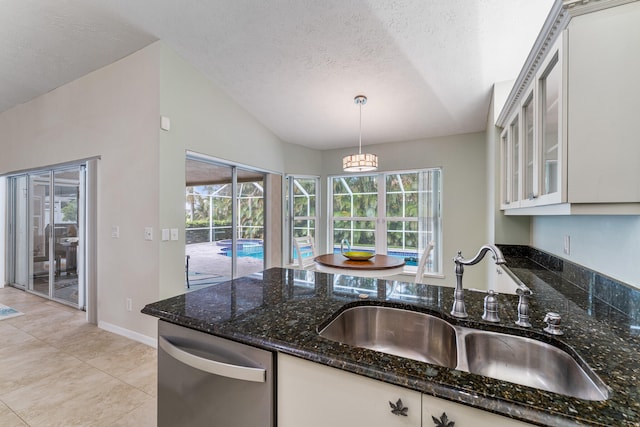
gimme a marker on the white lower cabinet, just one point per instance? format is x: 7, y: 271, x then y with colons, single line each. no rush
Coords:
x: 314, y: 395
x: 461, y: 415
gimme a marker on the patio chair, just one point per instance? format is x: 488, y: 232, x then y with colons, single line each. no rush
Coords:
x: 423, y: 262
x: 306, y: 252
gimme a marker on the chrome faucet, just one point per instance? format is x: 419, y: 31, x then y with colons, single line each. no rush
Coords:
x: 524, y: 293
x: 459, y: 309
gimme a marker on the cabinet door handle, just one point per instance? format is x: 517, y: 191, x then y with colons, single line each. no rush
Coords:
x: 443, y: 421
x: 398, y: 408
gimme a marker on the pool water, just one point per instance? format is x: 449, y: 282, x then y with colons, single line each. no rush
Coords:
x: 257, y: 251
x: 252, y: 251
x: 410, y: 258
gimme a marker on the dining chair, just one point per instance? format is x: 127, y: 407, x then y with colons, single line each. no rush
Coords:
x: 423, y: 262
x: 306, y: 252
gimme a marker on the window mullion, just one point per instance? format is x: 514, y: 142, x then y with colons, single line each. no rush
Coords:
x: 381, y: 223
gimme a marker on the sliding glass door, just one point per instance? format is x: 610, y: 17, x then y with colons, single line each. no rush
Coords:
x: 225, y: 222
x: 46, y: 226
x: 42, y: 263
x: 66, y: 239
x: 19, y: 232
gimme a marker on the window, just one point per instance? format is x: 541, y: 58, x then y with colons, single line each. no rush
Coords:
x: 393, y: 213
x: 302, y: 197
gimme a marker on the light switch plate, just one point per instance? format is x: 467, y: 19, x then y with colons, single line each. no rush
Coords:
x: 165, y: 234
x: 148, y: 233
x: 165, y: 123
x: 115, y: 231
x: 174, y: 234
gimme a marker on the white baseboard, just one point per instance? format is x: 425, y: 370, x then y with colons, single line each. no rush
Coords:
x: 136, y: 336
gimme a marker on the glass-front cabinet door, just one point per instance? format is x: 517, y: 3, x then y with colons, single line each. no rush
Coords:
x: 514, y: 136
x: 550, y: 120
x: 529, y: 150
x: 511, y: 164
x: 504, y: 169
x: 531, y: 144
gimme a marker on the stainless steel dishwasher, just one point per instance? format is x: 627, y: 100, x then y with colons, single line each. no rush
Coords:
x: 204, y: 380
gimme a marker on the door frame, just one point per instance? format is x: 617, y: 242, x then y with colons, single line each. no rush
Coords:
x: 87, y: 208
x: 235, y: 167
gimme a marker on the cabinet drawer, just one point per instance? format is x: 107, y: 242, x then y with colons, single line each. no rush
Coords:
x: 463, y: 416
x: 314, y: 395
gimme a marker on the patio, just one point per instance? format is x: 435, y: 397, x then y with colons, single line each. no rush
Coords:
x: 208, y: 265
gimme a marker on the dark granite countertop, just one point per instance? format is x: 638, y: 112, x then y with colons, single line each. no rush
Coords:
x: 281, y: 310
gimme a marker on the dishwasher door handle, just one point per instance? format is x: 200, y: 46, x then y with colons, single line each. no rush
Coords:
x: 243, y: 373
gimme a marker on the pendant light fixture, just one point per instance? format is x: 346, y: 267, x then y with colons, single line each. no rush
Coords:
x: 360, y: 162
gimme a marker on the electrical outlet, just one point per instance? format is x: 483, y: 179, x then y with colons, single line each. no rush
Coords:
x: 128, y: 304
x: 567, y: 245
x: 148, y: 233
x: 115, y: 231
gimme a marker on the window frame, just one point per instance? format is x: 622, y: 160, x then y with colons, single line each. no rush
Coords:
x: 291, y: 218
x: 382, y: 220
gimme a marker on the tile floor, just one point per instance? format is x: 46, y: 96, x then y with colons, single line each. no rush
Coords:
x: 58, y: 370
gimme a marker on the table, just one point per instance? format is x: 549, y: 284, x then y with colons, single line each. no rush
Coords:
x: 378, y: 266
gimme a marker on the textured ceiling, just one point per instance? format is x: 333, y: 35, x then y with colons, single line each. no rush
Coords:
x: 427, y: 66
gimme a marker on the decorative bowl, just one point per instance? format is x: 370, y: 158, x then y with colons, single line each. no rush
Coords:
x: 358, y: 255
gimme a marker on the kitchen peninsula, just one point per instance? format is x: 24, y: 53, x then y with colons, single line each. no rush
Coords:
x: 281, y: 309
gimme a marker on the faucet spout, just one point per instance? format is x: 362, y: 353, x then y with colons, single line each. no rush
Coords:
x: 459, y: 309
x: 497, y: 256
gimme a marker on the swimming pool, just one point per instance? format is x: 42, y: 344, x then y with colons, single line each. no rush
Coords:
x: 410, y: 258
x: 253, y: 248
x: 245, y: 248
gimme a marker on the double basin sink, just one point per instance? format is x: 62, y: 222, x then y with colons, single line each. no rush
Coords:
x: 428, y: 338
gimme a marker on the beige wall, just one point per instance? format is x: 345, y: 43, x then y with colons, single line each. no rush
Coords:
x: 115, y: 113
x: 111, y: 113
x: 462, y: 158
x: 206, y: 121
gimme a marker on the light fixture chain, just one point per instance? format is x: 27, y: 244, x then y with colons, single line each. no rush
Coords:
x: 360, y: 140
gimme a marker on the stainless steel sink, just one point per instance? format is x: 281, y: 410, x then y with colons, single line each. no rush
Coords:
x: 403, y: 333
x: 428, y: 338
x: 530, y: 362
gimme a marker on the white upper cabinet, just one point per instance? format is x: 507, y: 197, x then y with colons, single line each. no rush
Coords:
x: 569, y: 143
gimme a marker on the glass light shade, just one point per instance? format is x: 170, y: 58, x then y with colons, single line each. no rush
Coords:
x: 360, y: 162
